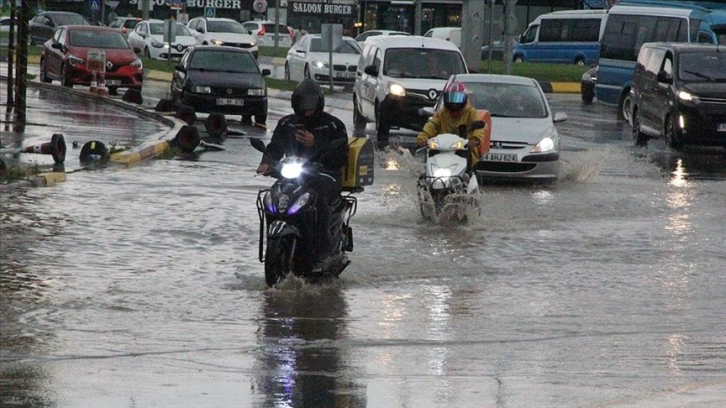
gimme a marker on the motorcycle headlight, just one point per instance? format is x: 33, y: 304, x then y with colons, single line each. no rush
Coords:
x: 544, y: 145
x: 291, y: 170
x: 396, y: 89
x: 442, y: 173
x: 299, y: 203
x: 201, y: 89
x: 320, y: 64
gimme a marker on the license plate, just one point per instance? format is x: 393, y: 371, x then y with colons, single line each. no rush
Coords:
x: 500, y: 157
x: 113, y: 82
x: 230, y: 101
x: 345, y: 74
x: 721, y: 127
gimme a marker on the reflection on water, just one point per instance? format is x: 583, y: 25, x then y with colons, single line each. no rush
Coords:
x: 301, y: 358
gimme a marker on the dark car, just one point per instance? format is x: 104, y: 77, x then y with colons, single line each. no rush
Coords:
x: 679, y: 93
x: 65, y: 57
x: 43, y: 25
x: 221, y: 79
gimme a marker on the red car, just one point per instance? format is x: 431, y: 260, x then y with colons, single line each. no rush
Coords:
x: 64, y: 57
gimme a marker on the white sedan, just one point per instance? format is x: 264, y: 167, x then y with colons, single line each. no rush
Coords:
x: 525, y: 144
x: 309, y: 59
x: 148, y: 37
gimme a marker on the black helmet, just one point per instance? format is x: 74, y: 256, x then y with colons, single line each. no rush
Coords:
x: 307, y: 96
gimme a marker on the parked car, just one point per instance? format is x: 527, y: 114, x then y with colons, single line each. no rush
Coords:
x: 64, y: 58
x: 148, y: 36
x: 525, y: 144
x: 124, y: 24
x: 679, y: 93
x: 372, y: 33
x: 587, y: 85
x: 5, y: 24
x: 221, y: 79
x: 309, y: 59
x: 497, y: 50
x: 452, y: 34
x: 222, y: 31
x: 265, y: 33
x: 42, y: 26
x: 399, y: 75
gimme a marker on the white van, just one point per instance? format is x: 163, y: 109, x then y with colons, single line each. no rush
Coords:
x: 570, y: 37
x: 452, y: 34
x: 399, y: 75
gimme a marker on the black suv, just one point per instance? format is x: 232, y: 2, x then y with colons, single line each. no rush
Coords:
x: 679, y: 93
x: 44, y: 24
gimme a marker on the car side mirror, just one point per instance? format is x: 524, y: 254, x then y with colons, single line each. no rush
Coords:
x: 258, y: 144
x: 266, y: 72
x: 371, y: 70
x: 665, y: 77
x: 137, y: 50
x: 56, y: 45
x: 427, y: 111
x: 559, y: 117
x: 180, y: 68
x: 201, y: 30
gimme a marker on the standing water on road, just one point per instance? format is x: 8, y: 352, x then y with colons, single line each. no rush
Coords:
x: 141, y: 287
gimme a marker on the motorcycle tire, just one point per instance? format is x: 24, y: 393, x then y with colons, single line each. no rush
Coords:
x: 278, y: 259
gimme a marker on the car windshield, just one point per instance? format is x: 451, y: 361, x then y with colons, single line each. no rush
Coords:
x: 702, y: 67
x: 507, y: 100
x: 225, y: 27
x: 422, y: 63
x: 221, y: 61
x: 346, y: 47
x: 179, y: 29
x: 70, y: 19
x: 97, y: 39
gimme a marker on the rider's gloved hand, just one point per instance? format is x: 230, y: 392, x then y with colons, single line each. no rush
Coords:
x: 474, y: 143
x: 422, y: 142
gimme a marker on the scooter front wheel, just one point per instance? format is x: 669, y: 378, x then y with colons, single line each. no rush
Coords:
x: 278, y: 259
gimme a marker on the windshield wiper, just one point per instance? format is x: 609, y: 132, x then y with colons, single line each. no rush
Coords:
x: 698, y: 74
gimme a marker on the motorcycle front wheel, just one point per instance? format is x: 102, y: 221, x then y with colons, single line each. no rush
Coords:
x: 278, y: 259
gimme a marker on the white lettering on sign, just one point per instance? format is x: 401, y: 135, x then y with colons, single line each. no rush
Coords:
x: 319, y: 8
x: 220, y: 4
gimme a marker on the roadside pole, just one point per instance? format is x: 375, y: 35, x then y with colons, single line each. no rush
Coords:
x: 472, y: 32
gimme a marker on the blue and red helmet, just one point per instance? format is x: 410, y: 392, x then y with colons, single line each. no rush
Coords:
x: 455, y: 96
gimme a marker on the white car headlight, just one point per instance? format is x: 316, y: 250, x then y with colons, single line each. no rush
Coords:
x: 688, y: 97
x: 544, y: 145
x: 73, y: 60
x: 396, y: 89
x: 320, y: 64
x: 256, y: 92
x: 216, y: 42
x: 201, y: 89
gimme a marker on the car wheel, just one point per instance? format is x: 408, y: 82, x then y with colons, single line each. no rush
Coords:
x: 359, y: 122
x: 261, y: 119
x: 44, y: 73
x: 113, y: 90
x: 625, y: 107
x: 307, y: 71
x: 579, y: 61
x: 671, y: 134
x: 518, y: 59
x: 65, y: 81
x: 287, y: 71
x: 640, y: 139
x: 587, y: 93
x: 246, y: 119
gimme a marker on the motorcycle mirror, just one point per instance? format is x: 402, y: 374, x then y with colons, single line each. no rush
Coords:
x: 258, y: 144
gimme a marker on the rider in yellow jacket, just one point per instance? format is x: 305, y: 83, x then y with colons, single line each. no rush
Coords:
x: 456, y: 112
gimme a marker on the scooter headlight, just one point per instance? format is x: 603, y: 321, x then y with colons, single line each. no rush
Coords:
x: 457, y: 145
x: 291, y: 170
x: 442, y: 173
x: 298, y: 204
x: 433, y: 145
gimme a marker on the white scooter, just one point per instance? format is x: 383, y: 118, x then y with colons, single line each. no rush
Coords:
x: 447, y: 190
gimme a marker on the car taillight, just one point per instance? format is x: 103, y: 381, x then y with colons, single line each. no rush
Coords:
x: 291, y: 31
x: 123, y: 30
x: 261, y: 32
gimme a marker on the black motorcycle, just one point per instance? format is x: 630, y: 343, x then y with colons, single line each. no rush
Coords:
x: 288, y: 222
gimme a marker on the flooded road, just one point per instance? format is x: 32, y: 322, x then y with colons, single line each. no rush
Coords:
x: 140, y: 287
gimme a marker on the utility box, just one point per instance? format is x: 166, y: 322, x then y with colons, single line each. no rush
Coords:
x: 359, y: 171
